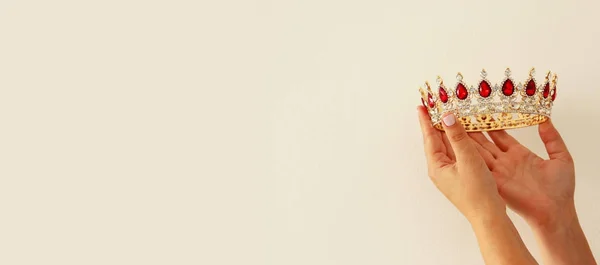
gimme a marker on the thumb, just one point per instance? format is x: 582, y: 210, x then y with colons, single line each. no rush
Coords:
x: 555, y: 146
x: 459, y: 139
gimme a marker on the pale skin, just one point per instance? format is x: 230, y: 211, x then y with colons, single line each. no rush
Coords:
x: 480, y: 177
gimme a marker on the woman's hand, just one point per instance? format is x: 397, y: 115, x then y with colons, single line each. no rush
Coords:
x: 461, y: 174
x: 458, y: 170
x: 539, y: 190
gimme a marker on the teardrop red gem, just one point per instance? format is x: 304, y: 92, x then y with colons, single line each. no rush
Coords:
x: 430, y: 100
x: 546, y: 90
x: 461, y: 91
x: 554, y: 94
x: 443, y: 95
x: 423, y: 102
x: 508, y: 88
x: 484, y: 89
x: 530, y: 89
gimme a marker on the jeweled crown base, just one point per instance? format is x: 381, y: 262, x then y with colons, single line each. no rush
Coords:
x: 500, y: 121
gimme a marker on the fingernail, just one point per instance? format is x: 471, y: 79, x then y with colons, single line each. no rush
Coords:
x: 449, y: 120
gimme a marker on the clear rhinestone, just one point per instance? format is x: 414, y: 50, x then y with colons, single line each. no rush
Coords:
x: 483, y: 73
x: 459, y: 77
x: 473, y: 90
x: 507, y: 72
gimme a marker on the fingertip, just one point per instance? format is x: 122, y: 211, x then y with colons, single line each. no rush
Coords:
x: 423, y: 115
x: 449, y: 120
x: 547, y: 129
x: 545, y: 125
x: 555, y: 145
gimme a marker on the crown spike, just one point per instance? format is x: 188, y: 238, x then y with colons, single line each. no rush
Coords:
x: 422, y: 96
x: 507, y: 72
x: 483, y: 73
x: 459, y: 77
x: 548, y: 76
x: 428, y: 86
x: 532, y: 72
x: 439, y: 80
x: 553, y: 92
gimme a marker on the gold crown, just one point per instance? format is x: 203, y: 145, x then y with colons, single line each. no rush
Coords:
x: 487, y: 108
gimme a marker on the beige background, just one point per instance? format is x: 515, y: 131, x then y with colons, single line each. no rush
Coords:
x: 260, y: 132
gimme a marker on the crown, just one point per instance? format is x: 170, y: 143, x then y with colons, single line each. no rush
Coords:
x: 486, y: 107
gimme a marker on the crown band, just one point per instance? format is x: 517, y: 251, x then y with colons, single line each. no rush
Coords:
x: 486, y: 107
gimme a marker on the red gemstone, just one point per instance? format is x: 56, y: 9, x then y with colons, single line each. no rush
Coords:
x: 554, y: 94
x: 484, y: 89
x: 461, y: 91
x: 530, y: 89
x: 546, y: 90
x: 430, y: 100
x: 508, y: 88
x: 443, y: 95
x: 423, y: 102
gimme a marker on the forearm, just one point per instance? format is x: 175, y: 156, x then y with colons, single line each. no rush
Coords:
x: 499, y: 240
x: 562, y: 241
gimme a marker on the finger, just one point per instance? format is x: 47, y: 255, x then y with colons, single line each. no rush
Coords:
x: 502, y: 139
x: 555, y: 146
x: 487, y: 156
x: 432, y: 140
x: 449, y: 149
x: 485, y: 143
x: 464, y: 147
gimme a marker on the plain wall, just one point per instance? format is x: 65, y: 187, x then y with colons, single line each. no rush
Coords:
x: 262, y: 132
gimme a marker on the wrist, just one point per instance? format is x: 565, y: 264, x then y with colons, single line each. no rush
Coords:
x: 561, y: 219
x: 488, y: 211
x: 562, y: 238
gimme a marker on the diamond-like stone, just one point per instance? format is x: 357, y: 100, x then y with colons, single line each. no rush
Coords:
x: 507, y: 72
x: 483, y: 73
